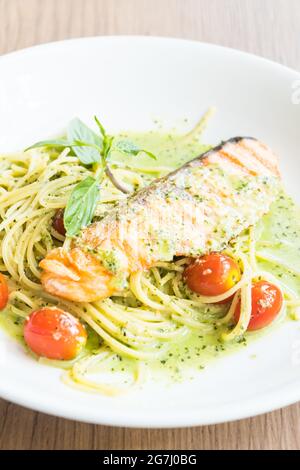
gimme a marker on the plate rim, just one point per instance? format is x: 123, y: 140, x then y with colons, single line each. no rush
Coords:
x: 150, y: 38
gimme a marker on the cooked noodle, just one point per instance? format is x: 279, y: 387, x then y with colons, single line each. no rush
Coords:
x: 156, y: 309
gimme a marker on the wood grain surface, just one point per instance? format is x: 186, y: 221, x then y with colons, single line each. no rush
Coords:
x: 270, y: 28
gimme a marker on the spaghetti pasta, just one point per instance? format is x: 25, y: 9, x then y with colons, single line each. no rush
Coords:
x: 156, y: 309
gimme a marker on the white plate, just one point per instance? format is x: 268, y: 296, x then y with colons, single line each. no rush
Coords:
x: 129, y: 81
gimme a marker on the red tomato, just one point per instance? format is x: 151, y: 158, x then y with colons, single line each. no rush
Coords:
x: 212, y: 274
x: 55, y: 334
x: 266, y: 304
x: 58, y: 222
x: 3, y: 292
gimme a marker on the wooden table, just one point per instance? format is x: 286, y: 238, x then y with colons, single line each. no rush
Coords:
x: 270, y: 28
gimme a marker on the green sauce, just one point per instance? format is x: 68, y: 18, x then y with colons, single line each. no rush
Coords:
x: 172, y: 151
x: 278, y: 238
x: 279, y: 229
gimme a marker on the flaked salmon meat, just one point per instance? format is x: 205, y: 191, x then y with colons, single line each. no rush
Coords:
x: 192, y: 211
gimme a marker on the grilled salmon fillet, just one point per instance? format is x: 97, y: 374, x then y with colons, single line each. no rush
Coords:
x: 194, y: 210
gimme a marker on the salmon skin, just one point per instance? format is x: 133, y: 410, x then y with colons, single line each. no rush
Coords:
x: 194, y: 210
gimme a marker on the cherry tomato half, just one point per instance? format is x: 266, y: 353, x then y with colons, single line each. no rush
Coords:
x: 55, y: 334
x: 266, y: 304
x: 3, y: 292
x: 58, y: 222
x: 212, y: 274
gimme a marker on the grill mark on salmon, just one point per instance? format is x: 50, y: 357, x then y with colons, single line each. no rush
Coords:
x: 194, y: 210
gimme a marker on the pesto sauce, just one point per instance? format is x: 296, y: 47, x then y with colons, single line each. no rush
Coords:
x: 277, y: 234
x: 185, y: 359
x: 281, y: 225
x: 12, y: 325
x: 171, y: 150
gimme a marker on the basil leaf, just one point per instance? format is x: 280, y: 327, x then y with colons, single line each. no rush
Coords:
x: 126, y: 146
x: 107, y: 145
x: 77, y: 130
x: 130, y: 148
x: 107, y: 139
x: 101, y: 127
x: 49, y: 143
x: 150, y: 154
x: 81, y: 206
x: 80, y: 143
